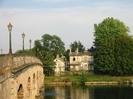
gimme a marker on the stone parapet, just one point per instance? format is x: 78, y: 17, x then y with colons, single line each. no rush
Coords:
x: 21, y: 60
x: 16, y: 61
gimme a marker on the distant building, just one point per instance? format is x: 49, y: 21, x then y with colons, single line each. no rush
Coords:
x: 59, y: 65
x: 80, y: 61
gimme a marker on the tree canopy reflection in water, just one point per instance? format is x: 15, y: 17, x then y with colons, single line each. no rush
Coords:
x: 69, y: 92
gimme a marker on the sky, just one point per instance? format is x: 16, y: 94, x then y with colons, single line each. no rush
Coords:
x: 69, y: 19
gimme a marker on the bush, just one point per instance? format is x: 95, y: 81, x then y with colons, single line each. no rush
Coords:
x: 83, y: 78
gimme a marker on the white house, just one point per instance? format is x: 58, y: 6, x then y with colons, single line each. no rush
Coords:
x: 59, y: 65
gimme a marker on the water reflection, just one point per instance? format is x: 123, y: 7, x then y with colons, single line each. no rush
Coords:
x: 88, y: 92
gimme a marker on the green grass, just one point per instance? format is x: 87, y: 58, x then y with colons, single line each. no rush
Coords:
x: 88, y: 77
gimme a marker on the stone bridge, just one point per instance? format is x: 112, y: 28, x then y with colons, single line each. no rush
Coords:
x: 21, y: 77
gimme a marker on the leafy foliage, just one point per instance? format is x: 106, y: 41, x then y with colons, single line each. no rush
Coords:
x: 124, y: 56
x: 66, y: 54
x: 47, y: 49
x: 113, y: 48
x: 77, y: 44
x: 25, y: 52
x: 83, y: 78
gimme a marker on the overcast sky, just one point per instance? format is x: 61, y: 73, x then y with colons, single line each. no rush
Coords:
x: 69, y: 19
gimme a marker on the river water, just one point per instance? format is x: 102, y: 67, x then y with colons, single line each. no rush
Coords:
x: 69, y: 92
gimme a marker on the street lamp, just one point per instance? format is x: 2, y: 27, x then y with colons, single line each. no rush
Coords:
x: 23, y: 36
x: 30, y: 43
x: 10, y: 41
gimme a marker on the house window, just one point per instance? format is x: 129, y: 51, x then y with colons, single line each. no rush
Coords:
x: 74, y: 59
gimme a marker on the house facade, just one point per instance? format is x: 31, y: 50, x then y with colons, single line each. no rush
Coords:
x: 80, y: 61
x: 59, y: 65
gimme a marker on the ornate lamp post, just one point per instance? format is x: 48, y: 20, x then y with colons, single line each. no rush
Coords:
x: 30, y: 43
x: 10, y: 41
x: 23, y: 36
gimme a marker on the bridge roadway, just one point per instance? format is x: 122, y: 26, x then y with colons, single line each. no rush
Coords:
x: 21, y: 77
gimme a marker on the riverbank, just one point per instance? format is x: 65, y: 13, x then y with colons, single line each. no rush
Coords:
x: 88, y: 79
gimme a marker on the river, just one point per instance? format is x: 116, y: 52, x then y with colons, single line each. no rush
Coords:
x: 69, y: 92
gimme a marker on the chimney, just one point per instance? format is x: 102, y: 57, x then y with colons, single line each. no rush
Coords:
x: 57, y: 56
x: 70, y: 51
x: 77, y: 50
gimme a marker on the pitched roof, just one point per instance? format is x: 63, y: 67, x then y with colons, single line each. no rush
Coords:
x: 79, y: 53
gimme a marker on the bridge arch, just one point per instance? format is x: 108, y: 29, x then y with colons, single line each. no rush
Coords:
x: 29, y: 86
x: 34, y: 80
x: 20, y: 92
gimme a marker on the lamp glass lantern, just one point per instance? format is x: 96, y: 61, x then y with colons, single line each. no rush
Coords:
x: 10, y: 27
x: 23, y: 35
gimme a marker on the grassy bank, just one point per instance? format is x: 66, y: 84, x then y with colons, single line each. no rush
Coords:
x: 86, y: 77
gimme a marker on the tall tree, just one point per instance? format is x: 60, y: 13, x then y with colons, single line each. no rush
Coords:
x: 123, y: 56
x: 53, y: 44
x: 77, y: 44
x: 47, y: 49
x: 38, y: 48
x: 109, y: 44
